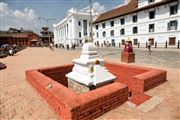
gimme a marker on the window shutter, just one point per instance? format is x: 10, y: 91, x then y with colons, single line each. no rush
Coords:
x: 168, y: 26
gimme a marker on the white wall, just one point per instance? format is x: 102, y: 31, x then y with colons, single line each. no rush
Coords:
x: 161, y: 34
x: 71, y: 34
x: 142, y: 3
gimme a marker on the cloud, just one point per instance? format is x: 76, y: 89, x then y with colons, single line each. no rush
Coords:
x: 26, y: 18
x: 25, y: 14
x: 98, y: 7
x: 122, y: 4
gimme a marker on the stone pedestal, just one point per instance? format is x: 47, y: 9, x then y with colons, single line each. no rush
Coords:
x: 80, y: 88
x: 77, y: 87
x: 127, y: 57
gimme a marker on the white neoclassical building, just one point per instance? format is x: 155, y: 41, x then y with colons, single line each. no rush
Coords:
x: 141, y: 20
x: 74, y: 28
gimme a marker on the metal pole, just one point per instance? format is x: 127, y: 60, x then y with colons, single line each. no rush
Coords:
x: 91, y: 31
x: 48, y: 32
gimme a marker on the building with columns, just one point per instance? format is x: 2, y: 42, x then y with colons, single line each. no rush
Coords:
x: 141, y: 20
x: 74, y: 28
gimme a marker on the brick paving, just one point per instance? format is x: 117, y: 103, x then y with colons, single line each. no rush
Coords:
x: 19, y: 100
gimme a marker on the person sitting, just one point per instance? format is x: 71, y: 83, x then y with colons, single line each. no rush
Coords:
x: 128, y: 46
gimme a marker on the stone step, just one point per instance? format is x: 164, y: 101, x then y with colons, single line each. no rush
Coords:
x: 150, y: 104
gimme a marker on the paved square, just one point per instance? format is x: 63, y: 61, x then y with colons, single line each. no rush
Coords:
x: 18, y: 100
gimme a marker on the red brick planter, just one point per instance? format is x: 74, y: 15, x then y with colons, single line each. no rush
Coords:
x: 51, y: 83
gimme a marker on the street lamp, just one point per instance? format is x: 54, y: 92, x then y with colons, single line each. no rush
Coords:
x: 91, y: 34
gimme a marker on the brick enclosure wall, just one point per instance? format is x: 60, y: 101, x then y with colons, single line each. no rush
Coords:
x: 101, y: 100
x: 57, y: 73
x: 125, y: 73
x: 138, y: 79
x: 69, y: 105
x: 51, y: 83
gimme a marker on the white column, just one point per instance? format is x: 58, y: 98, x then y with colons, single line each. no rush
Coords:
x: 55, y: 36
x: 57, y: 40
x: 60, y: 34
x: 63, y: 32
x: 67, y: 29
x: 73, y: 27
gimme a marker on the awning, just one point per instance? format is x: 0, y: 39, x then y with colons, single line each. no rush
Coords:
x: 34, y: 40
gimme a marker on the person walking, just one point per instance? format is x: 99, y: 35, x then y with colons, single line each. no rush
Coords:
x: 51, y: 47
x: 11, y: 52
x: 149, y: 46
x: 67, y: 46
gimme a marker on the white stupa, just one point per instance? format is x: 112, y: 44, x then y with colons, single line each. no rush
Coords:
x: 89, y: 69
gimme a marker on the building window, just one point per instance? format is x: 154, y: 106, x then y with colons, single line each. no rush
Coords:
x: 134, y: 18
x: 122, y: 21
x: 172, y: 41
x: 150, y: 1
x: 97, y: 27
x: 80, y: 34
x: 97, y: 34
x: 79, y: 23
x: 112, y: 23
x: 151, y: 27
x: 173, y: 9
x: 152, y: 14
x: 104, y: 34
x: 135, y: 41
x: 122, y: 31
x: 112, y: 32
x: 172, y: 25
x: 123, y: 42
x: 103, y: 25
x: 113, y: 42
x: 135, y: 30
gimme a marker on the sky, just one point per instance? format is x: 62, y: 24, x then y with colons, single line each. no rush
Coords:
x: 26, y: 13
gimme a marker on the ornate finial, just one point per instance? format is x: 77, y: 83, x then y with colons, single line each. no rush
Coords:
x: 128, y: 40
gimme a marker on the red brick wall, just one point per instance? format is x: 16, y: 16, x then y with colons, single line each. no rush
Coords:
x: 125, y: 73
x: 138, y: 79
x: 102, y: 100
x: 57, y: 73
x: 150, y: 79
x: 69, y: 105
